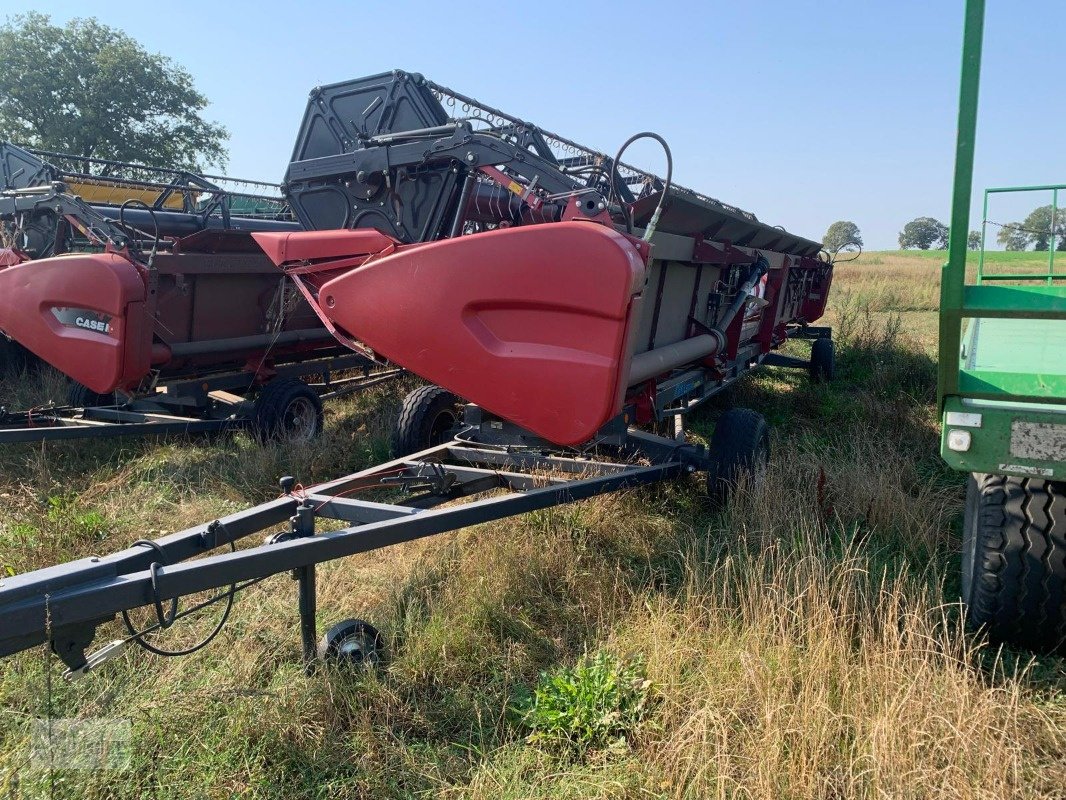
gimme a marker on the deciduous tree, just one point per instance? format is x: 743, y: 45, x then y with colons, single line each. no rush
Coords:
x: 91, y: 90
x: 923, y: 233
x: 841, y: 234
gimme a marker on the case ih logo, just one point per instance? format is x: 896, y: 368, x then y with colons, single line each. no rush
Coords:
x: 83, y: 318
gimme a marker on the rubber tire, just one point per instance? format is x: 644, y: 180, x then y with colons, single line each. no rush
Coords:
x: 1014, y: 560
x: 823, y: 368
x: 271, y: 421
x: 81, y: 396
x: 423, y: 416
x: 740, y: 443
x: 368, y: 649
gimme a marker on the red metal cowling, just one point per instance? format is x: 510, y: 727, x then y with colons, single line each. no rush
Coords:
x: 530, y: 323
x: 82, y: 313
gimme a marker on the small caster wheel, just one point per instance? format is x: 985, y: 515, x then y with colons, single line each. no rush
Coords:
x: 352, y: 642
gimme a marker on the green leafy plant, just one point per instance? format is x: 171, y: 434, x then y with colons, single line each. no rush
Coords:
x: 596, y: 704
x: 63, y: 511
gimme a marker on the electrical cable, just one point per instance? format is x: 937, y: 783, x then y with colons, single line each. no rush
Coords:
x: 164, y: 621
x: 836, y: 260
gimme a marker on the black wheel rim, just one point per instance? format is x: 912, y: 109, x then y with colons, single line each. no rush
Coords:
x: 301, y: 419
x: 442, y: 423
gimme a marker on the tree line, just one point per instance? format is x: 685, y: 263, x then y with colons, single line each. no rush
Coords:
x: 1035, y: 232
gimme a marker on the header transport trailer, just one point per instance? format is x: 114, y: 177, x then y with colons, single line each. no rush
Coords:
x: 1003, y: 403
x: 146, y: 281
x: 562, y: 303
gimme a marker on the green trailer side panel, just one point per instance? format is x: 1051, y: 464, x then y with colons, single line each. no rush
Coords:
x: 1023, y: 439
x: 1024, y: 359
x: 1032, y: 302
x: 1016, y: 345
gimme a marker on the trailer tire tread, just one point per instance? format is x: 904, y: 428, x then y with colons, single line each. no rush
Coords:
x: 823, y: 361
x: 81, y: 396
x: 1014, y: 560
x: 420, y: 417
x: 740, y: 442
x: 269, y: 421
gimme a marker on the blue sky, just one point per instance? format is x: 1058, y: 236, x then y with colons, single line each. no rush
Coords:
x: 803, y: 112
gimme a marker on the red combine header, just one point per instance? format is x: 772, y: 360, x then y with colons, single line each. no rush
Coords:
x: 562, y: 301
x: 549, y: 284
x: 162, y: 297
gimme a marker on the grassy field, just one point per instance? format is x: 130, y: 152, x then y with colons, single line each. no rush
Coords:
x: 806, y: 643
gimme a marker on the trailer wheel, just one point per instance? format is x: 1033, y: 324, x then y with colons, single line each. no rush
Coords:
x: 81, y: 396
x: 740, y: 443
x: 823, y: 366
x: 1014, y: 560
x: 352, y: 642
x: 426, y: 416
x: 287, y: 409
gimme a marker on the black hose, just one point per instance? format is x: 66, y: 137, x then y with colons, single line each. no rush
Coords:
x: 155, y: 223
x: 666, y: 185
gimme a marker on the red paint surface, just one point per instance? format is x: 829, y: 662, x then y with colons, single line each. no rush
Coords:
x: 307, y: 246
x: 105, y: 283
x: 530, y: 323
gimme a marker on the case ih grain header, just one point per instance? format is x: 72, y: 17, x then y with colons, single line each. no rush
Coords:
x: 146, y: 282
x: 562, y: 302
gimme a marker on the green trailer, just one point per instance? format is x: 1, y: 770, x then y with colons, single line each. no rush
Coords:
x: 1002, y: 394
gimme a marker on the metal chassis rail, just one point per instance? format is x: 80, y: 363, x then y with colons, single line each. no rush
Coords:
x: 153, y: 416
x: 64, y: 604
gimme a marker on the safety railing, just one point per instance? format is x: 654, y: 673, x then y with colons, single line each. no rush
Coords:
x: 991, y: 297
x: 1058, y: 217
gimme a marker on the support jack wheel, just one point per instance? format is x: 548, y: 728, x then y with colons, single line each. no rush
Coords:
x: 352, y: 642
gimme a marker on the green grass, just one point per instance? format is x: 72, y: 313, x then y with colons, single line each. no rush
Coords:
x: 804, y: 643
x: 875, y: 257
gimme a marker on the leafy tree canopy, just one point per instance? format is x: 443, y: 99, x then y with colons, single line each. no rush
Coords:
x: 923, y: 233
x: 841, y: 234
x: 1038, y: 227
x: 1012, y: 237
x: 91, y: 90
